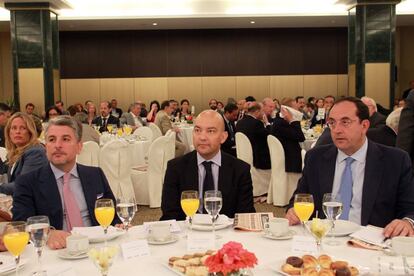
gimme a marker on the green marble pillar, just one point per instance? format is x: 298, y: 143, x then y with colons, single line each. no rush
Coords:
x: 35, y: 50
x: 371, y: 49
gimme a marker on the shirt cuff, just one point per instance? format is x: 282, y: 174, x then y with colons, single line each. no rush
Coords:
x: 411, y: 221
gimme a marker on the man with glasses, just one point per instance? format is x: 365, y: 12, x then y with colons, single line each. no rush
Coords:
x: 375, y: 182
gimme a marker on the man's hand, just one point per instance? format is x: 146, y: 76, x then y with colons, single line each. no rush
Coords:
x: 2, y: 247
x: 57, y: 239
x: 398, y: 227
x: 292, y: 217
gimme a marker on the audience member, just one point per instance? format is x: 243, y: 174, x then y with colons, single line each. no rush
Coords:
x: 212, y: 104
x: 144, y: 112
x: 386, y: 134
x: 154, y: 108
x: 175, y: 109
x: 5, y: 112
x: 59, y: 105
x: 91, y: 114
x: 407, y: 91
x: 30, y: 109
x: 405, y: 137
x: 269, y: 109
x: 375, y: 182
x: 52, y: 112
x: 132, y: 117
x: 241, y: 108
x: 376, y: 119
x: 105, y: 119
x: 207, y: 168
x: 87, y: 103
x: 328, y: 102
x: 230, y: 116
x: 88, y: 132
x: 115, y: 110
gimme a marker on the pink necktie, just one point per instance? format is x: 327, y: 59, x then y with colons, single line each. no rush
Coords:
x: 73, y: 216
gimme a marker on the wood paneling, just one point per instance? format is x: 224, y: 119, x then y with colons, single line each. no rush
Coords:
x: 342, y: 85
x: 31, y: 89
x: 286, y: 86
x: 148, y: 89
x: 257, y: 86
x: 320, y: 85
x: 219, y: 88
x: 6, y: 67
x: 120, y: 89
x: 351, y: 80
x: 377, y: 79
x: 81, y: 90
x: 187, y: 88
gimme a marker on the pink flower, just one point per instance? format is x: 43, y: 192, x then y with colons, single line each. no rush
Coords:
x: 230, y: 258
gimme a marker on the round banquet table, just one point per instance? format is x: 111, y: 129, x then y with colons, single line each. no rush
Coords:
x: 270, y: 254
x: 186, y: 136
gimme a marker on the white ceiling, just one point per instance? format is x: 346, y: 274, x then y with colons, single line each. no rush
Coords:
x: 193, y: 14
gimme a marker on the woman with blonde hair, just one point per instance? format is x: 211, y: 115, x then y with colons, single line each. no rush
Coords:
x: 24, y: 151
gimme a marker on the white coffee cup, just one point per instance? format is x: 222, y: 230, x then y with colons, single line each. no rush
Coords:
x: 277, y: 227
x: 160, y: 231
x: 77, y: 244
x: 403, y: 245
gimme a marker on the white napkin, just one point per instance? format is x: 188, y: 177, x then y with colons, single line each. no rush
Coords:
x: 174, y: 227
x: 95, y: 232
x: 8, y: 263
x: 297, y: 115
x: 60, y: 270
x: 370, y: 234
x: 205, y: 219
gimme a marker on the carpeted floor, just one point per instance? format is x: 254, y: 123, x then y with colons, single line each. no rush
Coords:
x: 152, y: 214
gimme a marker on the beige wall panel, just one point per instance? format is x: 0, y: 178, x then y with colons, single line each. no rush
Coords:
x: 351, y: 80
x: 149, y: 89
x: 6, y: 67
x: 189, y: 88
x: 406, y: 69
x: 81, y: 90
x: 342, y: 85
x: 56, y: 85
x: 320, y: 85
x: 219, y: 88
x: 377, y: 79
x: 121, y: 89
x: 63, y: 92
x: 31, y: 89
x: 286, y: 86
x: 256, y: 86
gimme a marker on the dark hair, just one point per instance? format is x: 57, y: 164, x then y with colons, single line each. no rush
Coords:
x: 51, y: 108
x: 68, y: 121
x: 4, y: 107
x: 164, y: 104
x: 30, y: 104
x: 184, y: 101
x: 250, y: 99
x: 230, y: 107
x: 59, y: 102
x: 330, y: 96
x: 72, y: 110
x: 310, y: 99
x: 299, y: 97
x: 87, y: 101
x: 155, y: 102
x: 362, y: 109
x: 254, y: 107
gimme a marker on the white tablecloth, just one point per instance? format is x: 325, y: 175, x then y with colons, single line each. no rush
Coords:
x: 186, y: 136
x: 268, y: 252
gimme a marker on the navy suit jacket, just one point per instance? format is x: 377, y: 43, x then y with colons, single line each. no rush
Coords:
x: 388, y: 187
x: 234, y: 182
x: 37, y: 194
x: 112, y: 120
x: 229, y: 145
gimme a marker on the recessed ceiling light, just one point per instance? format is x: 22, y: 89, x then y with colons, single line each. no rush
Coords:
x: 252, y: 22
x: 154, y: 24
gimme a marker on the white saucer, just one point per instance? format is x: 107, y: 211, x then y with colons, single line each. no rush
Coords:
x: 64, y: 254
x: 173, y: 238
x: 288, y: 236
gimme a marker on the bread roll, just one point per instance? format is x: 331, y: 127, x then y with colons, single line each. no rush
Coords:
x: 354, y: 270
x: 310, y: 271
x: 326, y: 272
x: 291, y: 270
x: 309, y: 261
x: 325, y: 261
x: 339, y: 264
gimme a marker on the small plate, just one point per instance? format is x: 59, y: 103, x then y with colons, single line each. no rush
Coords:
x: 9, y: 264
x: 203, y: 227
x: 343, y: 228
x: 64, y: 254
x: 173, y: 238
x: 288, y: 235
x: 202, y: 222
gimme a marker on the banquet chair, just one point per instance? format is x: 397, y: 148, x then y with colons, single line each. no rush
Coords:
x: 148, y: 181
x: 89, y: 154
x: 3, y: 153
x: 282, y: 184
x: 115, y: 162
x: 156, y: 131
x: 171, y: 133
x: 145, y: 132
x: 260, y: 178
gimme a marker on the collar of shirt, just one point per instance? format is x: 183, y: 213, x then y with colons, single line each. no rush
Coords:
x: 225, y: 119
x: 216, y: 159
x: 133, y: 115
x: 105, y: 117
x: 360, y: 155
x: 59, y: 173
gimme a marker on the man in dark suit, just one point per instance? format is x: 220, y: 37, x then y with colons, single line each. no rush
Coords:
x: 386, y: 135
x: 405, y: 137
x: 208, y: 168
x: 254, y: 128
x: 230, y: 116
x: 105, y: 119
x: 62, y: 189
x: 5, y: 112
x: 375, y: 182
x: 376, y: 119
x: 115, y: 110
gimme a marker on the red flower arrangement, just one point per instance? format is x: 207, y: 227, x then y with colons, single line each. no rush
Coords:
x: 189, y: 119
x: 231, y: 258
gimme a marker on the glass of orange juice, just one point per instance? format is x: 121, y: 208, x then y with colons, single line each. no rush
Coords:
x: 303, y: 206
x: 15, y: 239
x: 190, y: 203
x: 104, y: 213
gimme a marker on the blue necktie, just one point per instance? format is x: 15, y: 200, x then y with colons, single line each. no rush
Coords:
x: 346, y: 188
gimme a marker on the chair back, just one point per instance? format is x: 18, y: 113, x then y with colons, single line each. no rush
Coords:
x: 145, y: 132
x: 89, y: 154
x: 171, y: 133
x: 3, y: 153
x: 244, y: 148
x: 156, y: 131
x: 116, y: 163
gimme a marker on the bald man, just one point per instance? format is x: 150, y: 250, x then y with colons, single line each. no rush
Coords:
x: 208, y: 168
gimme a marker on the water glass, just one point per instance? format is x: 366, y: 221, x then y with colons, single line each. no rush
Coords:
x: 38, y: 228
x: 126, y: 207
x: 213, y: 202
x: 332, y: 207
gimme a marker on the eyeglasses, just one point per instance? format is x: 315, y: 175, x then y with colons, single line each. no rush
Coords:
x: 343, y: 123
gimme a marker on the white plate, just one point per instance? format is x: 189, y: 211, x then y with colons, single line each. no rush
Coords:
x: 202, y: 222
x: 201, y: 227
x: 9, y: 264
x: 173, y: 238
x: 343, y: 228
x: 288, y: 236
x: 64, y: 254
x: 172, y: 269
x: 96, y: 233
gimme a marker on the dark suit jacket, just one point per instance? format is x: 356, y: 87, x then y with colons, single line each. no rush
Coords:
x: 325, y: 138
x: 257, y: 134
x: 37, y: 194
x: 229, y: 146
x: 235, y: 184
x: 376, y: 120
x: 383, y: 135
x: 32, y: 159
x: 117, y: 111
x: 388, y: 188
x: 289, y: 136
x: 2, y: 139
x: 111, y: 121
x: 405, y: 137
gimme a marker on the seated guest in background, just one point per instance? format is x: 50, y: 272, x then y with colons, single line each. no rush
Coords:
x: 301, y: 103
x: 376, y: 119
x: 253, y: 127
x: 208, y: 168
x: 5, y: 112
x: 230, y: 116
x: 250, y: 99
x: 375, y: 182
x: 59, y: 105
x: 405, y: 137
x: 115, y: 110
x: 30, y: 109
x: 312, y: 100
x: 52, y: 112
x: 269, y: 109
x: 212, y: 103
x: 289, y: 133
x: 240, y: 105
x: 328, y: 102
x: 154, y: 108
x: 319, y: 115
x: 175, y: 109
x: 91, y: 114
x: 105, y: 119
x: 162, y: 120
x: 88, y: 132
x: 61, y: 189
x: 133, y: 117
x: 386, y: 134
x: 185, y: 108
x: 87, y: 103
x: 143, y: 113
x: 220, y: 107
x: 24, y: 151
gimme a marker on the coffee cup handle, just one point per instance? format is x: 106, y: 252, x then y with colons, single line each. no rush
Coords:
x: 266, y: 227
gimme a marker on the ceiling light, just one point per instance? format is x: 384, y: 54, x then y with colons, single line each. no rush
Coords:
x: 154, y: 24
x: 252, y: 22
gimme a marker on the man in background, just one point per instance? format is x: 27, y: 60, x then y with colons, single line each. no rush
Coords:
x: 230, y: 116
x: 115, y: 110
x: 376, y: 119
x: 105, y: 118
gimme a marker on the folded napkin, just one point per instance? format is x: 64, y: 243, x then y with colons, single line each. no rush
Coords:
x: 297, y: 115
x: 8, y: 263
x: 369, y: 237
x: 204, y: 219
x: 174, y: 227
x: 95, y: 232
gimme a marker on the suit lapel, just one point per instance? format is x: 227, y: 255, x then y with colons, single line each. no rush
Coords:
x: 327, y: 171
x: 88, y: 190
x: 224, y: 177
x: 191, y: 174
x: 372, y: 181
